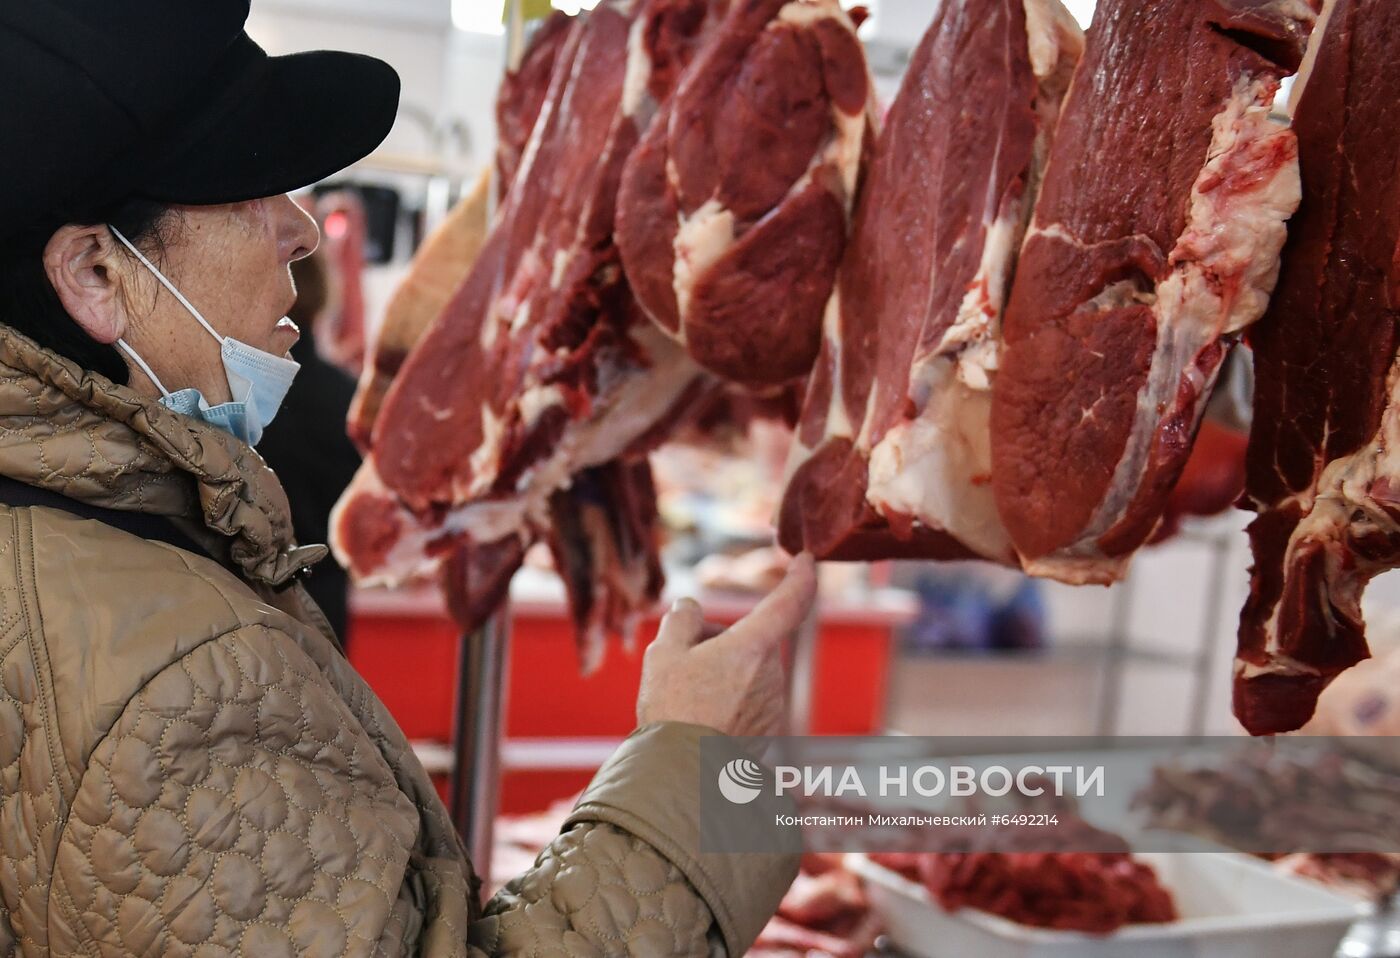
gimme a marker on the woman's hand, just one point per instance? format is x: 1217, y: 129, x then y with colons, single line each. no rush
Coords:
x: 732, y: 681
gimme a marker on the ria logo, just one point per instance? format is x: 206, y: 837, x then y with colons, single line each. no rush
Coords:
x: 740, y: 781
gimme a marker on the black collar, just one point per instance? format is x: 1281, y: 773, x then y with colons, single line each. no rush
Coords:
x: 143, y: 526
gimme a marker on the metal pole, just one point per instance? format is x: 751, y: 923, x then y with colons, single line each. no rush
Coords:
x: 1111, y: 693
x: 478, y: 729
x: 478, y: 722
x: 1205, y: 653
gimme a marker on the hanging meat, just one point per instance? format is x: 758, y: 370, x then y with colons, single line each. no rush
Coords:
x: 522, y: 93
x: 733, y: 211
x: 604, y: 537
x: 447, y: 255
x: 1155, y: 242
x: 603, y: 529
x: 1322, y: 468
x: 434, y: 275
x: 892, y: 451
x: 541, y: 367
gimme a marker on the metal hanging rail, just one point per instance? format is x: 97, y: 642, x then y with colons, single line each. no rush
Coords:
x: 478, y: 726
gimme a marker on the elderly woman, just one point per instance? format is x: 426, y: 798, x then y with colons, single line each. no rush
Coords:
x: 190, y: 767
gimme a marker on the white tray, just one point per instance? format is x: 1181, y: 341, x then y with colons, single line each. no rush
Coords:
x: 1232, y: 906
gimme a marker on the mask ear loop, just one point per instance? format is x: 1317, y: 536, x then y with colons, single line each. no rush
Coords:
x: 121, y: 344
x: 166, y: 283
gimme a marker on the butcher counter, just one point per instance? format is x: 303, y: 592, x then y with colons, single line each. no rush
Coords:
x: 560, y: 726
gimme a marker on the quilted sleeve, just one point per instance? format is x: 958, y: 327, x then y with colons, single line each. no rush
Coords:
x: 236, y: 807
x: 627, y: 877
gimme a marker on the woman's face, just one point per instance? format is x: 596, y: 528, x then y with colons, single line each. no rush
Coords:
x: 231, y: 262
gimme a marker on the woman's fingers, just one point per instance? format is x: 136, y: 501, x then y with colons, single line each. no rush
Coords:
x: 682, y: 627
x: 781, y: 611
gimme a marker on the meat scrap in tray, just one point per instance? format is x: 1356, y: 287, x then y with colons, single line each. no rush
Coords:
x: 1095, y: 891
x: 1322, y: 473
x: 1089, y: 892
x: 891, y: 456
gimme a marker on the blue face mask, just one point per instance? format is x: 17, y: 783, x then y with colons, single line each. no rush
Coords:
x: 257, y: 380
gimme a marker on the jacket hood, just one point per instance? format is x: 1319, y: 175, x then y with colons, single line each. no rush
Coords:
x: 77, y: 433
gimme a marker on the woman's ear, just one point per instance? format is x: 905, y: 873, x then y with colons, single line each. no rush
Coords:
x: 83, y: 266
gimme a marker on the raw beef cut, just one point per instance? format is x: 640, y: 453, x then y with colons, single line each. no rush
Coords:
x: 603, y: 535
x: 1155, y: 241
x: 543, y: 332
x: 891, y: 455
x: 446, y: 256
x: 1323, y: 472
x: 434, y: 275
x: 522, y: 94
x: 733, y: 211
x: 541, y: 366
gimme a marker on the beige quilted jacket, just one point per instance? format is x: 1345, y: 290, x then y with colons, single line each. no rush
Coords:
x: 188, y: 766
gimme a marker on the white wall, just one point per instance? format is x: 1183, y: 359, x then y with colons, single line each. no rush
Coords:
x: 448, y: 75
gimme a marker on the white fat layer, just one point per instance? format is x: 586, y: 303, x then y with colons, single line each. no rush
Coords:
x: 512, y: 307
x: 705, y: 235
x: 1341, y: 510
x: 975, y: 333
x: 1305, y: 69
x: 1279, y: 664
x: 490, y: 329
x: 1047, y: 22
x: 521, y: 319
x: 638, y: 73
x: 937, y: 467
x: 1056, y: 232
x: 804, y: 13
x: 1077, y: 570
x: 561, y: 265
x: 409, y: 559
x: 485, y: 460
x: 625, y: 413
x: 838, y: 419
x: 624, y: 410
x: 837, y: 423
x: 842, y: 152
x: 534, y: 402
x: 1224, y: 268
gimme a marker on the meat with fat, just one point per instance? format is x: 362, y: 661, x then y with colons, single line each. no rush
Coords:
x: 891, y: 456
x: 733, y: 210
x: 434, y: 275
x: 1155, y: 241
x: 604, y: 537
x: 1323, y: 473
x: 522, y: 94
x: 540, y: 367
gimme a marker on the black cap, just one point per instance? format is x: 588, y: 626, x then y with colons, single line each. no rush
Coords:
x: 172, y: 101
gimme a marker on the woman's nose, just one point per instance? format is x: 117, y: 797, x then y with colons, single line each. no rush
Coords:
x: 298, y: 235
